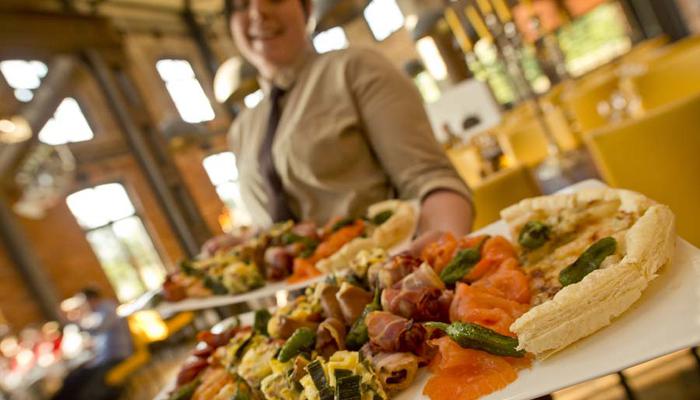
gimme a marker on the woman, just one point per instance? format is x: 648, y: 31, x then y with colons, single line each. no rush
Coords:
x: 335, y: 132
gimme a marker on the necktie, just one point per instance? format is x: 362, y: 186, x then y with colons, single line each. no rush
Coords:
x: 277, y: 202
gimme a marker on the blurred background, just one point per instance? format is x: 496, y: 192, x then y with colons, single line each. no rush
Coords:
x: 114, y: 163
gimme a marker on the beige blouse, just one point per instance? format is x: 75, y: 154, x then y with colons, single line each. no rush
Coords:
x: 353, y: 132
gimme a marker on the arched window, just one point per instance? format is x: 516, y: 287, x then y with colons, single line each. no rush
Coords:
x: 119, y: 239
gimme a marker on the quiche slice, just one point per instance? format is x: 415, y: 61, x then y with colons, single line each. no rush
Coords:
x: 590, y: 255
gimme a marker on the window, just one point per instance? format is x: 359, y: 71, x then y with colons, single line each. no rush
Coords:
x: 384, y: 17
x: 68, y: 125
x: 431, y: 57
x: 253, y: 99
x: 331, y: 39
x: 185, y: 90
x: 223, y: 173
x: 119, y: 239
x: 24, y: 76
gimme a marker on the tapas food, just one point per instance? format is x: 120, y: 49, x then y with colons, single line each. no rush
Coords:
x: 474, y: 310
x: 292, y: 252
x: 590, y: 255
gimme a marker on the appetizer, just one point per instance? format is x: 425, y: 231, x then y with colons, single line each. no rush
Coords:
x: 290, y: 251
x: 590, y: 255
x: 365, y: 332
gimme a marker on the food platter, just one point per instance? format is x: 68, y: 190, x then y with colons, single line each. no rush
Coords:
x: 270, y: 289
x: 664, y: 320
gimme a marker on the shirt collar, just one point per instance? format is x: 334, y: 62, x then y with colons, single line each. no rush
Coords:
x: 287, y: 76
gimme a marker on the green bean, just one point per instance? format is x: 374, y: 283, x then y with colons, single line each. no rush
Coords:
x: 588, y: 261
x: 462, y: 263
x: 262, y: 317
x: 185, y: 392
x: 533, y: 235
x: 473, y: 336
x: 302, y: 339
x: 382, y: 217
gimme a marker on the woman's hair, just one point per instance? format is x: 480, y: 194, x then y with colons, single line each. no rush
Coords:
x: 230, y: 7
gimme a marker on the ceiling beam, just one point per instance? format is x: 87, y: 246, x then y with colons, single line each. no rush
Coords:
x: 29, y: 33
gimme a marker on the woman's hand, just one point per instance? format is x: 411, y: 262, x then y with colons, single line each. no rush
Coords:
x: 226, y: 241
x: 442, y: 211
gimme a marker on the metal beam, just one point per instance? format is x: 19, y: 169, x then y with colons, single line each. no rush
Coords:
x: 135, y: 137
x: 16, y: 243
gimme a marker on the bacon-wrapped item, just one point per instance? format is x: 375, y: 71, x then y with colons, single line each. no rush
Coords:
x: 325, y: 294
x: 418, y: 296
x: 352, y: 300
x: 391, y: 333
x: 330, y: 337
x: 278, y: 263
x: 388, y: 273
x: 396, y: 371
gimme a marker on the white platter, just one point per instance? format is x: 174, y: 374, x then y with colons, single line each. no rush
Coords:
x: 664, y: 320
x: 167, y: 309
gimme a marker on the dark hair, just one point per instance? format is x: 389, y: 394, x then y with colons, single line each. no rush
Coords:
x: 91, y: 293
x: 229, y: 7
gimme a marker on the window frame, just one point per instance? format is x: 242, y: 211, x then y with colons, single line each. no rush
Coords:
x: 124, y: 248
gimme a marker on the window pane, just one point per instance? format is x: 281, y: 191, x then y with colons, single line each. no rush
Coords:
x: 221, y: 167
x: 68, y: 125
x: 133, y: 235
x: 115, y: 263
x: 174, y: 70
x: 84, y: 206
x: 190, y: 100
x: 332, y: 39
x: 230, y: 193
x: 253, y: 99
x: 114, y: 201
x: 20, y: 74
x: 431, y: 58
x: 384, y: 17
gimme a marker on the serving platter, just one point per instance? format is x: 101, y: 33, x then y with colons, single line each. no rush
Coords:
x: 664, y: 320
x: 270, y: 289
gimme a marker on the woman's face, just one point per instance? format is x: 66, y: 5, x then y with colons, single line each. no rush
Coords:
x: 269, y: 33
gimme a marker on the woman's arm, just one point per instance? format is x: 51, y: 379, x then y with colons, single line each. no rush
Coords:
x: 442, y: 211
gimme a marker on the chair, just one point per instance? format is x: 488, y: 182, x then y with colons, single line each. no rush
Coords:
x: 499, y: 191
x: 146, y: 327
x: 669, y: 78
x: 658, y: 155
x: 582, y: 98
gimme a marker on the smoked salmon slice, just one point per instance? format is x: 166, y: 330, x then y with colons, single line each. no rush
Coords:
x: 508, y: 280
x: 480, y: 306
x: 466, y: 374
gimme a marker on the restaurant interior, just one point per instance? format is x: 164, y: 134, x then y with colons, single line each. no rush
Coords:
x: 115, y: 163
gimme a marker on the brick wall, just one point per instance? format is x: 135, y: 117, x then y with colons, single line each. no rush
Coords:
x: 16, y: 300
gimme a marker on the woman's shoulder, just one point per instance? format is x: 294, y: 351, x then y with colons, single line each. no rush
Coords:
x: 351, y: 56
